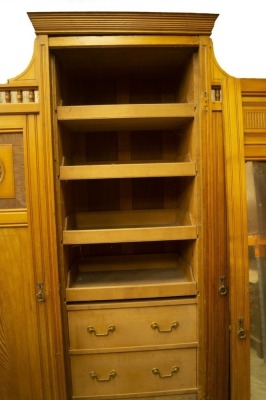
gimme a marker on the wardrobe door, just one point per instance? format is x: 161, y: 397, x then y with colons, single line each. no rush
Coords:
x: 256, y: 200
x: 19, y: 356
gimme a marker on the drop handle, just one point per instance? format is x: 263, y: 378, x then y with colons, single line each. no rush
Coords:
x: 156, y: 371
x: 92, y: 330
x: 112, y: 375
x: 155, y: 326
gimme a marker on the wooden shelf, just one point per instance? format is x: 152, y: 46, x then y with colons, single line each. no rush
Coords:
x: 258, y: 242
x: 132, y: 170
x: 125, y: 116
x: 125, y: 277
x: 128, y: 226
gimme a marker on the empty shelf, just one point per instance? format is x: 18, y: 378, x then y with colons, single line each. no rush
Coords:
x: 132, y: 170
x: 128, y: 226
x: 125, y: 116
x: 124, y: 277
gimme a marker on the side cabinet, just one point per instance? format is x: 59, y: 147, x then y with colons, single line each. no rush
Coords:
x: 30, y: 351
x: 20, y: 364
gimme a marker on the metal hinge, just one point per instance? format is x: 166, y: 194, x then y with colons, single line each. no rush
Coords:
x: 205, y: 100
x: 40, y: 296
x: 241, y: 333
x: 222, y: 288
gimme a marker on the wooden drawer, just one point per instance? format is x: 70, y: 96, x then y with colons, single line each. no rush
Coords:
x: 131, y: 324
x: 125, y: 277
x: 144, y: 372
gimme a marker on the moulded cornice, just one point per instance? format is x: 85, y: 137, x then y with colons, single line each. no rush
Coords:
x: 253, y: 87
x: 93, y: 23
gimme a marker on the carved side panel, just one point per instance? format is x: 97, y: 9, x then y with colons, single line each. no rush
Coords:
x: 12, y: 176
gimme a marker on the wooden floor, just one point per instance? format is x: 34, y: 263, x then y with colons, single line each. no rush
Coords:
x: 258, y: 377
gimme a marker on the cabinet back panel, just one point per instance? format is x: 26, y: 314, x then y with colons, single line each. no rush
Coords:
x: 147, y: 146
x: 81, y: 148
x: 97, y: 195
x: 101, y: 147
x: 123, y: 194
x: 187, y: 249
x: 151, y: 75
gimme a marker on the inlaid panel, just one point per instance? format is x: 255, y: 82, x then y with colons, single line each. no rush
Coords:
x: 12, y: 176
x: 7, y: 188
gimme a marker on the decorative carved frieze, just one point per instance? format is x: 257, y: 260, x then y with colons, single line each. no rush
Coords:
x: 254, y: 119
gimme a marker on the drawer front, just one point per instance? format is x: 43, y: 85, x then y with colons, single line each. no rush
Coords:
x: 147, y: 372
x: 139, y: 326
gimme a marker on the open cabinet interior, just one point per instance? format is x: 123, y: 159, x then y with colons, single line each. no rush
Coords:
x: 127, y: 149
x: 125, y: 75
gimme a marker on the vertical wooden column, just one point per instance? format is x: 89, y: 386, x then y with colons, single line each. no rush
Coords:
x: 237, y: 238
x: 41, y: 198
x: 214, y: 305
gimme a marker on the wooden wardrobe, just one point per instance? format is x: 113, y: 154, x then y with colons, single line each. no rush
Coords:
x: 122, y: 210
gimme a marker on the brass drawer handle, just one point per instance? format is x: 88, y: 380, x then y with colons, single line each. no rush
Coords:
x: 156, y: 371
x: 174, y: 325
x: 112, y: 375
x: 91, y: 329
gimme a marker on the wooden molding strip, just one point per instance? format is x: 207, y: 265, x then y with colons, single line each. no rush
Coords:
x: 141, y: 40
x: 252, y: 87
x: 13, y: 217
x: 75, y: 23
x: 17, y: 108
